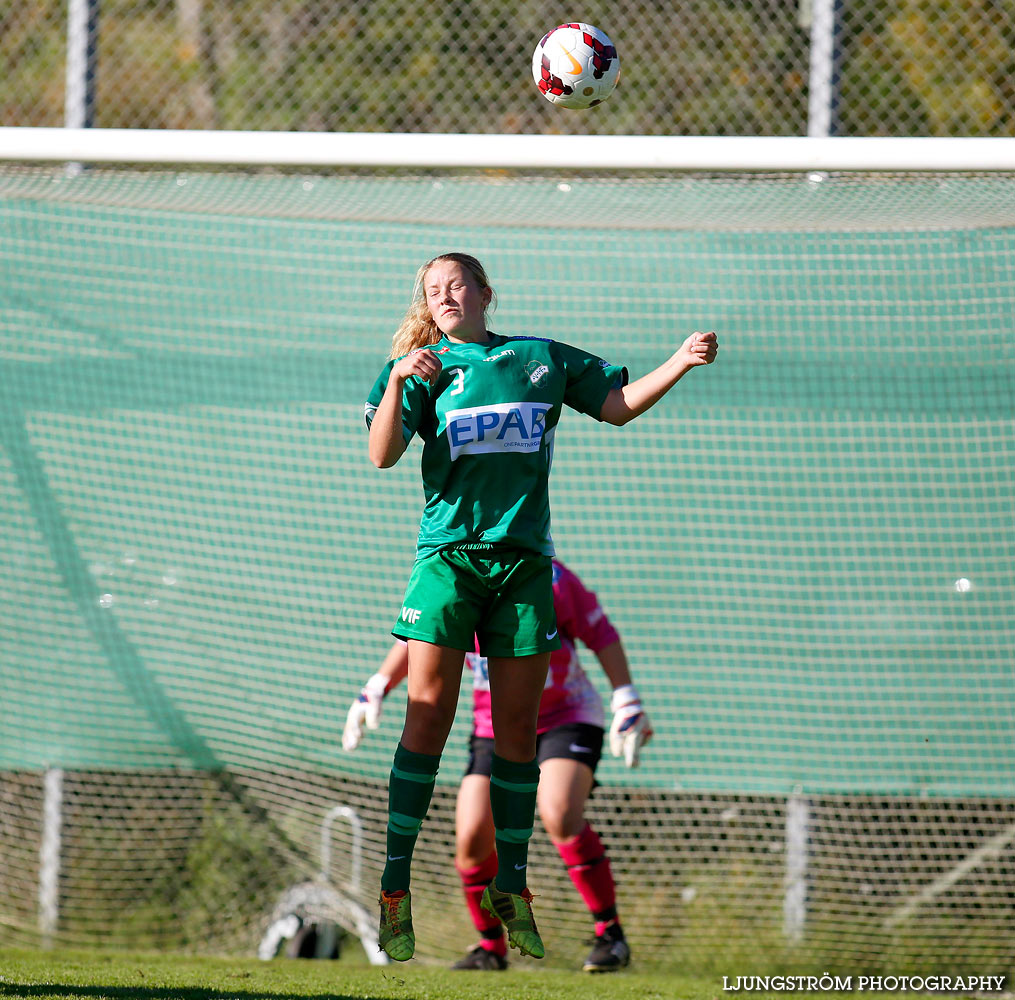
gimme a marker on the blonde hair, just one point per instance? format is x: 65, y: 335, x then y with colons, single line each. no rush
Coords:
x: 418, y: 328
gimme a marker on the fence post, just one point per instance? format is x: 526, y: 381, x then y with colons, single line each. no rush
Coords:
x: 82, y: 63
x: 794, y: 904
x: 824, y: 19
x: 49, y: 854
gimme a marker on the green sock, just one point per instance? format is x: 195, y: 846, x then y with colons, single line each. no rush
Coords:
x: 513, y: 801
x: 409, y: 791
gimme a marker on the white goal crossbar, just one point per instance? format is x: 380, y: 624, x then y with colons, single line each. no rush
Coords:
x: 459, y: 150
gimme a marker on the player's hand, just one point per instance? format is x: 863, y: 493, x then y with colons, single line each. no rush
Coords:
x: 422, y: 363
x: 365, y: 710
x: 700, y: 348
x: 630, y: 728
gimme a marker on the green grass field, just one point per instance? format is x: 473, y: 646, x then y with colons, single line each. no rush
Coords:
x: 82, y: 975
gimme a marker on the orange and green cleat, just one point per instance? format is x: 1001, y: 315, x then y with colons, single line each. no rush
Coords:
x: 395, y: 934
x: 514, y: 910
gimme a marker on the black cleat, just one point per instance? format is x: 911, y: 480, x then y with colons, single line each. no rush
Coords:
x: 481, y: 960
x: 609, y: 952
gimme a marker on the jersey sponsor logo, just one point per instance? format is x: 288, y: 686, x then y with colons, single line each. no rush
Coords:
x: 502, y: 427
x: 410, y: 615
x: 503, y: 354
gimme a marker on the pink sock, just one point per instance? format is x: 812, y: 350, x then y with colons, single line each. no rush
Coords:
x: 474, y: 881
x: 589, y: 869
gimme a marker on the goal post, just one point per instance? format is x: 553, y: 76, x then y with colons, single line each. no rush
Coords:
x: 806, y: 547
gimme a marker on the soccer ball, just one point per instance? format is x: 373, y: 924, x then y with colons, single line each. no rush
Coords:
x: 575, y: 65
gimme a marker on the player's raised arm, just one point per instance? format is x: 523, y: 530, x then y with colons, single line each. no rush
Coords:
x: 627, y: 402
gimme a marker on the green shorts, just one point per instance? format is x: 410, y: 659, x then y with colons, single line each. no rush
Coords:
x: 502, y: 595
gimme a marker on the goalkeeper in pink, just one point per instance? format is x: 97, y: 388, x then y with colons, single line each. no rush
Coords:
x: 570, y: 729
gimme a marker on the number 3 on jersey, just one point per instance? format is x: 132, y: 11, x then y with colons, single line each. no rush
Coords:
x: 458, y: 385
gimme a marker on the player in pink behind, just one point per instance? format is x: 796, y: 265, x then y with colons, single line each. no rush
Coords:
x: 570, y: 730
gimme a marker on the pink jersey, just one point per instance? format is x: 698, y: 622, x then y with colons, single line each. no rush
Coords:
x: 569, y: 695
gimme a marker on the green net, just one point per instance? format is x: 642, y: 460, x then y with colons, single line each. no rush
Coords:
x: 807, y: 548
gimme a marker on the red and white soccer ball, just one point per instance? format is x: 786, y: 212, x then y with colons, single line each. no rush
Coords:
x: 575, y: 65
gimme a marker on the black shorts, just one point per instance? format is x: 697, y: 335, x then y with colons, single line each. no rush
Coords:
x: 574, y: 741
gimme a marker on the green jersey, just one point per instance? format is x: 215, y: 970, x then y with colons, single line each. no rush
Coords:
x: 487, y: 428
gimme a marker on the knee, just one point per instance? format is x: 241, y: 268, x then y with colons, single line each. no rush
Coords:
x: 561, y: 820
x: 472, y: 848
x: 517, y: 743
x: 426, y: 728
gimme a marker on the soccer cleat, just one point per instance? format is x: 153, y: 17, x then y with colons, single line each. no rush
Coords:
x: 609, y: 952
x: 395, y: 934
x: 514, y: 910
x: 482, y: 960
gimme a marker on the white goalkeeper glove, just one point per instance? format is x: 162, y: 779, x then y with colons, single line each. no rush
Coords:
x: 630, y: 728
x: 365, y: 710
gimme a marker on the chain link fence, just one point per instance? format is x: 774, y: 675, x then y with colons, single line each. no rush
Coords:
x: 691, y: 67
